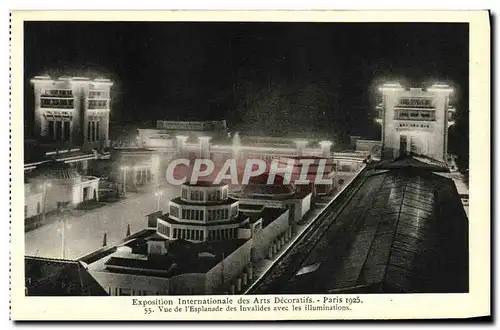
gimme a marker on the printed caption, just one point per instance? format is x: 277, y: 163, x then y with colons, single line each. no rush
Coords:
x: 274, y: 304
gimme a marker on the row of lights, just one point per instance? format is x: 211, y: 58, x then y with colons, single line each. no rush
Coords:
x: 437, y: 87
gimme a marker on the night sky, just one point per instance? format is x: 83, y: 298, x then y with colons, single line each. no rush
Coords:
x: 265, y: 78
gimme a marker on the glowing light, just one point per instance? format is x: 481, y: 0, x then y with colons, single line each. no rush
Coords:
x: 301, y: 143
x: 447, y: 90
x: 390, y: 89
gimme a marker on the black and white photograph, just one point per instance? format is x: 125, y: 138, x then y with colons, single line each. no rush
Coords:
x: 246, y: 158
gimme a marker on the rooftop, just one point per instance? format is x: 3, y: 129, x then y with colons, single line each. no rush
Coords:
x: 56, y: 277
x: 227, y: 201
x: 182, y: 257
x: 201, y: 183
x: 410, y: 239
x: 403, y: 229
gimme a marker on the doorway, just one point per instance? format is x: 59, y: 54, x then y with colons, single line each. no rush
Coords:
x: 86, y: 193
x: 403, y: 142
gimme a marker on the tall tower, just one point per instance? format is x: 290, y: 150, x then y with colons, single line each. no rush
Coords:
x: 73, y: 110
x: 415, y: 120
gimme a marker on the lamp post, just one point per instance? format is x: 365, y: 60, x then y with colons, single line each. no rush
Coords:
x: 46, y: 185
x: 158, y: 195
x: 124, y: 169
x: 63, y: 237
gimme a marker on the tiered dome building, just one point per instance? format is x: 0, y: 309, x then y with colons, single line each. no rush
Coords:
x: 203, y: 212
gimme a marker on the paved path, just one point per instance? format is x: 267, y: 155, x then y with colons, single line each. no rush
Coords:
x: 84, y: 233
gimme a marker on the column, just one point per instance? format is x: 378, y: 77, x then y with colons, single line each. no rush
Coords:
x: 245, y: 279
x: 238, y: 284
x: 250, y: 272
x: 301, y: 145
x: 181, y: 145
x: 204, y: 142
x: 325, y: 148
x: 85, y: 166
x: 104, y: 127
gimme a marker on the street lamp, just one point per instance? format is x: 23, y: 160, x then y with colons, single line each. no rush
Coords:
x: 124, y: 169
x: 158, y: 195
x: 45, y: 185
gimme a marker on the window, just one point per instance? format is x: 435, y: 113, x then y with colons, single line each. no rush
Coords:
x: 88, y: 132
x: 97, y: 131
x: 175, y: 233
x: 66, y: 130
x: 51, y: 129
x: 37, y: 207
x: 174, y: 211
x: 124, y: 292
x: 58, y: 131
x: 98, y: 104
x: 56, y: 103
x: 202, y: 233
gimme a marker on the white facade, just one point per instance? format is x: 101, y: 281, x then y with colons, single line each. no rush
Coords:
x: 204, y: 212
x: 233, y: 268
x: 415, y: 120
x: 230, y: 257
x: 66, y: 191
x: 33, y: 201
x: 73, y: 110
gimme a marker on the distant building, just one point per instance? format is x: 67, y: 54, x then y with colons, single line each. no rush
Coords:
x: 56, y: 184
x: 191, y: 146
x: 258, y: 194
x: 204, y: 245
x: 317, y: 168
x: 73, y: 110
x: 415, y: 120
x: 33, y: 200
x: 71, y: 133
x: 164, y: 135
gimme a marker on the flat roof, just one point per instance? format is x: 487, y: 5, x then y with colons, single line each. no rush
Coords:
x: 227, y: 201
x: 182, y: 257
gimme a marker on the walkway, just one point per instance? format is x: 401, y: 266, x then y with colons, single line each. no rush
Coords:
x: 85, y: 232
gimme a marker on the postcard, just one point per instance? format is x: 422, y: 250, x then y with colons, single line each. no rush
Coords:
x: 252, y: 165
